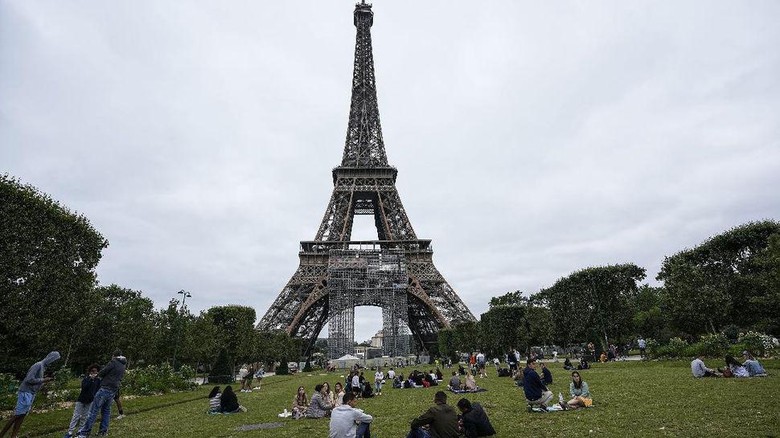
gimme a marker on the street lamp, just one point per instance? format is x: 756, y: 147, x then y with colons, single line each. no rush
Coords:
x: 184, y: 297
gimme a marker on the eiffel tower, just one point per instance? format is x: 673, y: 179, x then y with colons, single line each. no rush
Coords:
x: 395, y: 272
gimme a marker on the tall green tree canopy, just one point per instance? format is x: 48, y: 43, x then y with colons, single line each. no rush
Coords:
x: 47, y: 273
x: 724, y: 280
x: 594, y: 303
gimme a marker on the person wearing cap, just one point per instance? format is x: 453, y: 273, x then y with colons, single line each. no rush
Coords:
x: 110, y: 377
x: 439, y: 421
x: 536, y: 393
x: 30, y: 386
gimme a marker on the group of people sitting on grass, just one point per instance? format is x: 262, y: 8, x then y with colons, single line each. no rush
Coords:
x: 224, y: 402
x: 419, y: 379
x: 583, y: 365
x: 467, y: 383
x: 539, y: 397
x: 750, y: 367
x: 440, y: 420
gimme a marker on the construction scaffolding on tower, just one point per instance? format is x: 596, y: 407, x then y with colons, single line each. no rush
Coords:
x: 368, y: 277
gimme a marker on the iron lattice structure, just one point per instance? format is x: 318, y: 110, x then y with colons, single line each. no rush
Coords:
x: 324, y: 287
x: 367, y: 277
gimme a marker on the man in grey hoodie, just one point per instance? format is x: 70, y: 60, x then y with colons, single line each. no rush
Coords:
x: 27, y: 390
x: 111, y: 375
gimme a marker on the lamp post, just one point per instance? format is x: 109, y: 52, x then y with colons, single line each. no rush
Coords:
x: 184, y: 297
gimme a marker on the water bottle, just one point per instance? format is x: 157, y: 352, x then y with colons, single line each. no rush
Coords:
x: 560, y: 398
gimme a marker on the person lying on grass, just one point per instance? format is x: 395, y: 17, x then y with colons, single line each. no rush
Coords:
x: 735, y: 368
x: 580, y: 393
x: 752, y: 365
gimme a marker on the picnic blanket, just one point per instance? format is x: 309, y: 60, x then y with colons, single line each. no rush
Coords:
x: 467, y: 391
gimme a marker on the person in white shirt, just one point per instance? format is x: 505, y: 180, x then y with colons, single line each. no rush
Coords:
x: 379, y: 377
x: 391, y: 374
x: 700, y: 370
x: 348, y: 422
x: 356, y: 383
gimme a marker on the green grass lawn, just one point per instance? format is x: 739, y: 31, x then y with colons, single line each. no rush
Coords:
x: 630, y: 398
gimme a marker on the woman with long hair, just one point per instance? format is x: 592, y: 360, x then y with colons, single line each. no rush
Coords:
x: 328, y: 394
x: 300, y: 403
x: 338, y: 390
x: 228, y: 402
x: 737, y: 370
x: 214, y: 400
x: 580, y: 393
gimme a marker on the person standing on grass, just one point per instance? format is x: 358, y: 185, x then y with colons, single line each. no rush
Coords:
x: 110, y: 377
x: 439, y: 421
x: 346, y: 421
x: 90, y: 385
x: 642, y: 346
x: 473, y: 420
x: 379, y: 378
x: 700, y: 370
x: 536, y: 393
x: 30, y: 386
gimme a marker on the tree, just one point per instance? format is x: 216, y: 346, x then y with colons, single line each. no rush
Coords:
x: 593, y: 302
x: 723, y: 280
x: 47, y: 273
x: 649, y: 320
x: 502, y: 327
x: 236, y: 331
x: 123, y: 319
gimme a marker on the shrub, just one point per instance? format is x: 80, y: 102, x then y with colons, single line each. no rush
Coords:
x: 676, y: 348
x: 757, y: 343
x: 282, y: 369
x: 154, y: 380
x: 8, y: 387
x: 715, y: 345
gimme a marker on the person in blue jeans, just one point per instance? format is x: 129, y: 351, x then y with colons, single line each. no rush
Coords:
x: 111, y: 376
x: 30, y: 386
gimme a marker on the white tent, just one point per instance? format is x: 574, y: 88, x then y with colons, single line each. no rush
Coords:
x: 346, y: 361
x: 348, y: 357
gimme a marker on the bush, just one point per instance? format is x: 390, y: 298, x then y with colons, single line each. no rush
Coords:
x: 155, y: 380
x: 677, y: 348
x: 8, y: 387
x: 282, y: 369
x: 715, y: 345
x: 757, y: 343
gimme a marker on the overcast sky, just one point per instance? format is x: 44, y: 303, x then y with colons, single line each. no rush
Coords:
x: 532, y: 139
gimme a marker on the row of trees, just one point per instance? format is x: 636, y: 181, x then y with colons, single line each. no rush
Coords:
x: 49, y: 300
x: 730, y: 283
